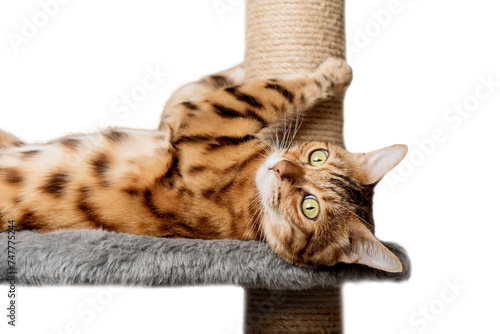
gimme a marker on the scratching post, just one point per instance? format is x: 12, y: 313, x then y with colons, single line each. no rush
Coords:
x: 286, y: 37
x: 317, y: 310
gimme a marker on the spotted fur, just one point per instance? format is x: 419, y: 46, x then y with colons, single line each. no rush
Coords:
x: 205, y: 173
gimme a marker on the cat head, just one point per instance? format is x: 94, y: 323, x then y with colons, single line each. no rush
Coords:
x: 317, y: 204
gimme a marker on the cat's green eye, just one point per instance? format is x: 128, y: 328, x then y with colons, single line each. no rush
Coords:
x: 318, y: 158
x: 310, y: 207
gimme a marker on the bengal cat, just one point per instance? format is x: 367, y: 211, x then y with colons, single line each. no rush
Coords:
x: 207, y: 173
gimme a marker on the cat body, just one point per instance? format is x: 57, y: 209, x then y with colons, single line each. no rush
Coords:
x: 127, y: 181
x: 208, y: 173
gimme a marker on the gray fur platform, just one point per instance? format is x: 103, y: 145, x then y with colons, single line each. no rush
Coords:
x: 98, y: 257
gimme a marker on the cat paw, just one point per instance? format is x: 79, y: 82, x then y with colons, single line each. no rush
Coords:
x: 336, y: 73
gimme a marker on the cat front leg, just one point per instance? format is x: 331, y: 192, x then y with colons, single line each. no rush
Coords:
x: 330, y: 78
x: 269, y: 102
x: 252, y: 108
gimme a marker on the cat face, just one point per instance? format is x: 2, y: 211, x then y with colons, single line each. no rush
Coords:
x: 317, y: 204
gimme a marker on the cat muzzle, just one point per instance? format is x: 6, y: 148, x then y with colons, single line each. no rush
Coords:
x: 288, y: 170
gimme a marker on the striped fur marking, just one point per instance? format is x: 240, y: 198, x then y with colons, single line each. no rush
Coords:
x: 248, y: 99
x: 221, y: 142
x: 30, y: 221
x: 115, y: 136
x: 12, y: 176
x: 197, y: 169
x: 100, y: 165
x: 190, y: 105
x: 172, y: 173
x: 282, y: 90
x: 56, y: 184
x: 220, y: 81
x: 88, y: 211
x: 225, y: 112
x: 71, y: 143
x: 30, y: 153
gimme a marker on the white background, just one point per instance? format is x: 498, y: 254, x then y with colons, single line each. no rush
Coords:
x: 410, y: 67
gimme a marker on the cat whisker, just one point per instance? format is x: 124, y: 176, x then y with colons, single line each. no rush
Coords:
x: 288, y: 132
x: 290, y: 137
x: 254, y: 224
x: 260, y: 235
x: 283, y: 133
x: 266, y: 148
x: 294, y: 249
x: 297, y: 127
x: 255, y: 203
x: 259, y: 219
x: 267, y: 218
x: 355, y: 215
x: 263, y: 155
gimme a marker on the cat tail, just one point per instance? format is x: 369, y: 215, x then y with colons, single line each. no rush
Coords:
x: 8, y: 140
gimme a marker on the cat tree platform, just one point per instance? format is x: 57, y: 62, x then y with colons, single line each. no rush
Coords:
x: 279, y: 297
x: 99, y: 257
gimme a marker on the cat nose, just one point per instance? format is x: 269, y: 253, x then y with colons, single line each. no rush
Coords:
x: 279, y: 168
x: 288, y: 170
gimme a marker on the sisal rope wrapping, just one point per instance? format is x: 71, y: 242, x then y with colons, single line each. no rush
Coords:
x: 308, y: 311
x: 287, y: 37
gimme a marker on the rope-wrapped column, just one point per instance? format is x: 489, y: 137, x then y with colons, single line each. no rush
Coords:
x: 285, y: 37
x: 306, y: 311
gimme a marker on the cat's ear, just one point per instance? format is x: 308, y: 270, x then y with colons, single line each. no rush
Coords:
x: 374, y: 165
x: 366, y: 249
